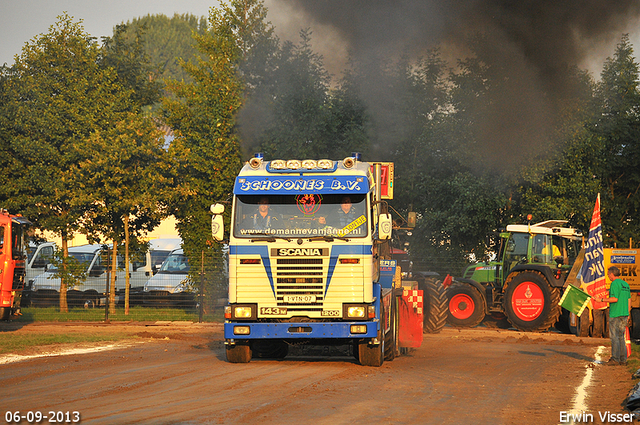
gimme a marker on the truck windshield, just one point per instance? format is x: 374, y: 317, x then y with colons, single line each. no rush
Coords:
x: 175, y: 264
x: 300, y: 216
x: 17, y: 242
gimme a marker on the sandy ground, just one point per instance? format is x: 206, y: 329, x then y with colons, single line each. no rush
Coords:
x: 176, y: 373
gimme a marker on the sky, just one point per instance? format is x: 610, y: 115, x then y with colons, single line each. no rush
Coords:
x: 22, y: 20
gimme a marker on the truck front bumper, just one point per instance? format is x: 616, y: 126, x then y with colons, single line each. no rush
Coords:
x: 300, y: 330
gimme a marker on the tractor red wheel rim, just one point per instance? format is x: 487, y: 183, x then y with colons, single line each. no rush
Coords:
x: 527, y: 301
x: 461, y: 306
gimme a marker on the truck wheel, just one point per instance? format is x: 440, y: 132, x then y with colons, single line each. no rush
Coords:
x: 530, y: 303
x: 371, y: 355
x: 239, y: 353
x: 596, y: 330
x: 635, y: 324
x: 466, y: 305
x: 5, y: 312
x: 391, y: 338
x: 435, y: 305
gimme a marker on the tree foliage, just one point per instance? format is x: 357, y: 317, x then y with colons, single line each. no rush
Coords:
x: 206, y: 152
x: 618, y: 127
x: 166, y: 41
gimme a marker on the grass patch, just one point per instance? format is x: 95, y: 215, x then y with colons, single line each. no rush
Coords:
x: 15, y: 343
x: 136, y: 314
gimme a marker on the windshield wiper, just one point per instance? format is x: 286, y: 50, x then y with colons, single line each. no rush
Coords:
x: 328, y: 238
x: 271, y: 238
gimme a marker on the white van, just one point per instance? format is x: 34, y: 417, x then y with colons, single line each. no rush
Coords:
x: 38, y: 256
x: 45, y: 288
x: 147, y: 265
x: 167, y: 287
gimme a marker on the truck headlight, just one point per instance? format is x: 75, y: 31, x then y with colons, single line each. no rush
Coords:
x: 244, y: 312
x: 354, y: 311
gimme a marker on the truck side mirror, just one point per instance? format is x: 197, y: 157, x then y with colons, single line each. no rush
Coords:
x: 385, y: 226
x: 217, y: 223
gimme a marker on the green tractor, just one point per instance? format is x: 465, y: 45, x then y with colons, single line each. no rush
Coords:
x: 525, y: 282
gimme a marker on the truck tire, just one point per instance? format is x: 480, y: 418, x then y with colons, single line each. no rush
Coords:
x: 239, y: 353
x: 466, y: 305
x: 530, y: 303
x: 596, y: 330
x: 371, y: 355
x: 634, y: 332
x: 435, y: 305
x: 391, y: 348
x: 5, y: 312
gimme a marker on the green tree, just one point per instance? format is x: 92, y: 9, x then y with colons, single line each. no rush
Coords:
x: 202, y: 113
x: 167, y: 41
x: 618, y: 125
x: 127, y: 179
x: 299, y: 104
x: 125, y: 53
x: 55, y: 97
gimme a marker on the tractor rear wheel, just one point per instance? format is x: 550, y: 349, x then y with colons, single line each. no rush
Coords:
x: 466, y: 305
x: 5, y: 312
x: 530, y: 303
x: 434, y: 306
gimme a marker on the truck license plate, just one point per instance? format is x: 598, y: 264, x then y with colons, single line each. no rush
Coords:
x: 299, y: 299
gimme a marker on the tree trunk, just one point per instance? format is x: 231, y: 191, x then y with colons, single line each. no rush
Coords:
x: 64, y: 307
x: 112, y: 288
x: 127, y: 285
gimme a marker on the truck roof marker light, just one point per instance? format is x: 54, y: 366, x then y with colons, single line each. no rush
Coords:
x: 309, y: 164
x: 278, y: 164
x: 348, y: 162
x: 293, y: 164
x: 255, y: 162
x: 325, y: 164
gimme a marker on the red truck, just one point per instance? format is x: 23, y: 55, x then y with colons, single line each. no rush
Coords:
x: 12, y: 262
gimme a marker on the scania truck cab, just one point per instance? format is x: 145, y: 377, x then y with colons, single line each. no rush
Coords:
x: 304, y: 259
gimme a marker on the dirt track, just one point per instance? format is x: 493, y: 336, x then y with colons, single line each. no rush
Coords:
x: 178, y: 374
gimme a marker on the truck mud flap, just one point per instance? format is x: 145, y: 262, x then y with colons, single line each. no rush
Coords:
x: 410, y: 316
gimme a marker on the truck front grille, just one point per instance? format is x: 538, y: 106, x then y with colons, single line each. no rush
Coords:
x: 301, y: 282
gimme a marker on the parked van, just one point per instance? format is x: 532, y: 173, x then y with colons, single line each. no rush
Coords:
x: 147, y: 265
x: 167, y: 287
x: 38, y: 256
x: 46, y: 288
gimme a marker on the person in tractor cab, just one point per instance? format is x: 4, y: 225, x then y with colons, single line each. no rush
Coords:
x: 619, y: 306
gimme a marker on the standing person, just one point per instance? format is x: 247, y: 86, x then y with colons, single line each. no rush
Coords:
x: 619, y: 306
